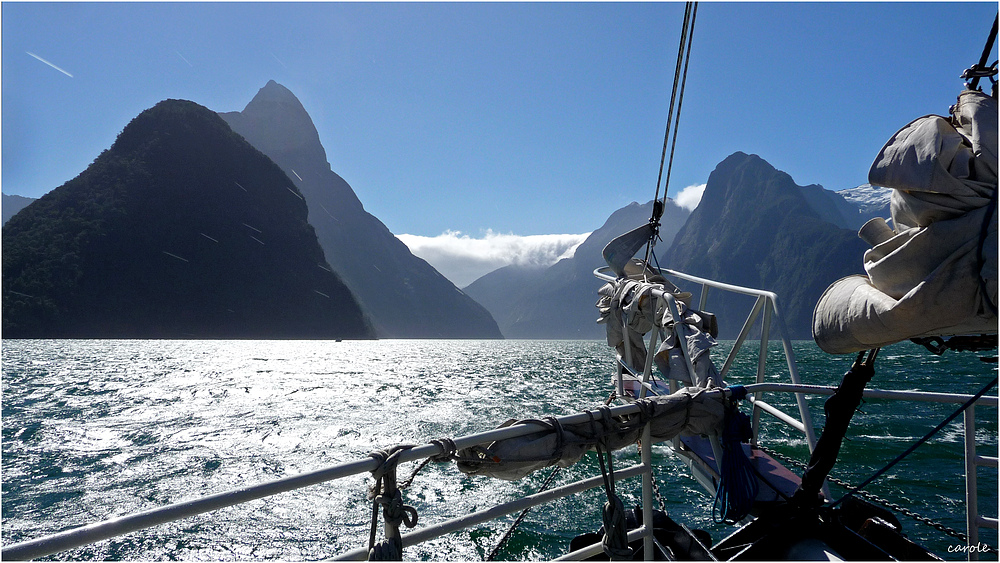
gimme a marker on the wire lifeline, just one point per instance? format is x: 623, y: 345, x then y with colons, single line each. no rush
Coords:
x: 917, y: 444
x: 520, y: 518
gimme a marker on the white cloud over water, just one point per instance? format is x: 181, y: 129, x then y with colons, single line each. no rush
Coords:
x: 690, y: 197
x: 463, y: 259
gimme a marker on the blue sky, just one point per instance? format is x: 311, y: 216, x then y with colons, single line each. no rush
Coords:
x: 517, y: 118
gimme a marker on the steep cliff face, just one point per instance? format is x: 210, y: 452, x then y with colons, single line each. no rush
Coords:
x: 404, y: 296
x: 558, y: 302
x: 755, y: 227
x: 180, y: 230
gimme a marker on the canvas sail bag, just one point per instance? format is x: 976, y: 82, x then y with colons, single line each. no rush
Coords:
x: 935, y: 272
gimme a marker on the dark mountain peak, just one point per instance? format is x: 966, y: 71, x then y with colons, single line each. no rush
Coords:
x: 404, y: 296
x: 276, y: 121
x: 180, y: 229
x: 275, y: 95
x: 172, y: 123
x: 757, y: 228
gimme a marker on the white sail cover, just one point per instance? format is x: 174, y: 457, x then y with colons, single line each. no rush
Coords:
x: 690, y: 411
x: 935, y: 273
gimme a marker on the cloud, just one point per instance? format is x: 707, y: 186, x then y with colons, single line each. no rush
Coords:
x: 690, y: 197
x: 463, y: 259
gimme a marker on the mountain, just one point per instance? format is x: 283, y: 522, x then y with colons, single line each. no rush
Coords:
x: 558, y: 302
x: 404, y: 295
x: 870, y: 201
x: 755, y: 227
x: 832, y: 207
x: 12, y: 204
x: 180, y: 230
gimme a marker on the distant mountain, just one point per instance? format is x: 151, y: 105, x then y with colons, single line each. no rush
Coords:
x: 871, y: 201
x: 404, y: 296
x: 180, y: 230
x: 12, y: 204
x: 558, y: 302
x: 832, y: 207
x: 755, y: 227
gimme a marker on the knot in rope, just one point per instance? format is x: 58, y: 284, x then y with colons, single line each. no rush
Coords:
x: 394, y: 511
x: 615, y: 542
x: 388, y: 460
x: 448, y: 448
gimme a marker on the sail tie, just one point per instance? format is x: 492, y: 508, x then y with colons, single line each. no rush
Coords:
x: 615, y: 540
x: 386, y: 494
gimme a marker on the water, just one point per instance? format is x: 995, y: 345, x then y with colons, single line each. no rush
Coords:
x: 97, y: 429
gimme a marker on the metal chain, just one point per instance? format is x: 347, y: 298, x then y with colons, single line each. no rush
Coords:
x: 656, y: 489
x: 877, y: 499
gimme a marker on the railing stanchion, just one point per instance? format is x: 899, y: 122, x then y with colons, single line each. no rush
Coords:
x: 646, y: 452
x: 971, y: 487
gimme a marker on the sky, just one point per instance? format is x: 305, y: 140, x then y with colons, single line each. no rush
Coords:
x: 494, y: 121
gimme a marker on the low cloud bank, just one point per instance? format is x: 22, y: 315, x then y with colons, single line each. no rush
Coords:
x: 690, y: 197
x: 463, y: 259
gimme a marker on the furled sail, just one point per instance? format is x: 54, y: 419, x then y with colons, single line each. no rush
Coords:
x: 692, y: 410
x: 935, y: 272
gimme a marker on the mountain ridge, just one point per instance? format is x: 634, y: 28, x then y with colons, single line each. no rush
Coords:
x: 756, y: 228
x: 403, y: 294
x: 557, y: 302
x: 180, y: 229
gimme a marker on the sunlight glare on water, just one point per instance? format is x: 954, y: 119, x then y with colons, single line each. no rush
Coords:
x: 97, y: 429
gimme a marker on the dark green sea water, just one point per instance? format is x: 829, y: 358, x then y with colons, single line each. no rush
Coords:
x: 97, y: 429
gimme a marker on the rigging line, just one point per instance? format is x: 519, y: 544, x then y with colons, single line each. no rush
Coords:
x: 916, y: 444
x: 687, y: 30
x: 673, y: 94
x: 974, y: 84
x: 680, y: 102
x: 520, y: 518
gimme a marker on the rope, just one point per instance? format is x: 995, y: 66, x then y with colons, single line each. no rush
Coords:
x: 448, y: 450
x: 386, y: 494
x: 738, y: 485
x: 615, y: 541
x: 687, y: 31
x: 872, y: 497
